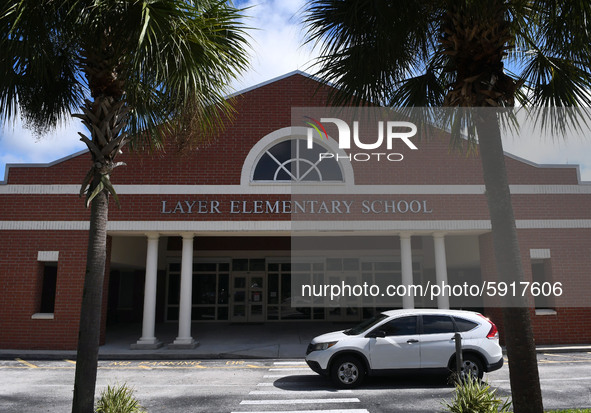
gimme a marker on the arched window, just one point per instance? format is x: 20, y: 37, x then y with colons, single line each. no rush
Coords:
x: 291, y: 160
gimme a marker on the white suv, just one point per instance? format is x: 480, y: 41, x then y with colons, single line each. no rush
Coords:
x: 400, y: 340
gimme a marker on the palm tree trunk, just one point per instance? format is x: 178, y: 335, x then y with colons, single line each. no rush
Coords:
x: 90, y: 313
x: 519, y: 339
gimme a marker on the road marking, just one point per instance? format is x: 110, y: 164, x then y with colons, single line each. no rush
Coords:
x: 312, y: 392
x: 314, y: 411
x: 278, y: 376
x: 156, y: 386
x: 26, y: 363
x: 290, y: 384
x: 160, y: 363
x: 301, y: 401
x: 142, y: 366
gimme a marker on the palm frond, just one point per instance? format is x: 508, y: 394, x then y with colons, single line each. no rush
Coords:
x: 366, y: 46
x: 185, y: 58
x: 39, y: 64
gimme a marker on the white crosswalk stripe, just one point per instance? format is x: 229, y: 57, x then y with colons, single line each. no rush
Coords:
x: 291, y: 384
x: 304, y: 391
x: 290, y: 363
x: 301, y: 401
x: 290, y: 369
x: 313, y: 411
x: 311, y: 392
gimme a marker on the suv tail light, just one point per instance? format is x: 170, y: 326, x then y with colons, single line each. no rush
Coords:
x: 494, y: 331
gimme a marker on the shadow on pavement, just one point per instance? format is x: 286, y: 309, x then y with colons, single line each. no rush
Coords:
x: 400, y: 381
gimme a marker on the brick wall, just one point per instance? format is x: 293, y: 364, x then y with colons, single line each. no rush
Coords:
x: 20, y: 285
x: 570, y: 251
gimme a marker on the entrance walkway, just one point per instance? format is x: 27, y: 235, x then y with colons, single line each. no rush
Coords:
x: 268, y: 340
x: 231, y: 341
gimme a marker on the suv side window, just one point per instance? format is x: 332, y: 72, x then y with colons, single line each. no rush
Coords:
x: 402, y: 326
x: 437, y: 324
x: 464, y: 325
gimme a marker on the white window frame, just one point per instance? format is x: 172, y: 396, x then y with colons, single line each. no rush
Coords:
x: 289, y: 133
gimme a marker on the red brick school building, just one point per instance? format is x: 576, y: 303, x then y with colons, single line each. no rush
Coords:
x: 220, y: 220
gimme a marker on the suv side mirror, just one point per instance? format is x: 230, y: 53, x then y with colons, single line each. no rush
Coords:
x: 376, y: 334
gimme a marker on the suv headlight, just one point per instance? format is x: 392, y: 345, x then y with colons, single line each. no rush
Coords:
x: 323, y: 346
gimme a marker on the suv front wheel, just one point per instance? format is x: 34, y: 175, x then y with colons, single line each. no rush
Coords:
x: 347, y: 371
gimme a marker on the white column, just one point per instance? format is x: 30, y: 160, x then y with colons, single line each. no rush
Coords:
x: 148, y: 340
x: 184, y: 339
x: 440, y: 269
x: 406, y: 262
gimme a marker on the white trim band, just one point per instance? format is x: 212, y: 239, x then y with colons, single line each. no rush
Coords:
x: 297, y: 189
x: 278, y: 226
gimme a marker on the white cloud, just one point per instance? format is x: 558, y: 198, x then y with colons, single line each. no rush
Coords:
x: 573, y: 152
x: 572, y: 148
x: 19, y: 145
x: 277, y: 40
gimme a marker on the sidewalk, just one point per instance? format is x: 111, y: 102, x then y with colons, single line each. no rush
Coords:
x: 222, y: 341
x: 216, y: 341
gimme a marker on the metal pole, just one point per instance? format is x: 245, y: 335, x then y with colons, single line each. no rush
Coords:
x: 459, y: 358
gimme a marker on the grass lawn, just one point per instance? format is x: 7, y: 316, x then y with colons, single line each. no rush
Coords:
x: 570, y: 411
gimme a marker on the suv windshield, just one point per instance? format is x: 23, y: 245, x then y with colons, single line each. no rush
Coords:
x: 365, y: 325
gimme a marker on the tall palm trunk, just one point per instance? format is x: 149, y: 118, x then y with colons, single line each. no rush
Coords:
x: 90, y: 313
x: 475, y: 36
x: 519, y: 338
x: 105, y: 117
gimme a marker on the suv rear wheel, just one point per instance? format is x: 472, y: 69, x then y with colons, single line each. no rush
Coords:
x: 347, y: 371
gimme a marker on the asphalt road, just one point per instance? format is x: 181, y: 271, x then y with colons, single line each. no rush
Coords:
x: 267, y: 386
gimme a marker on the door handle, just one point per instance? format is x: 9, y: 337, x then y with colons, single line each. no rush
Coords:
x: 412, y: 341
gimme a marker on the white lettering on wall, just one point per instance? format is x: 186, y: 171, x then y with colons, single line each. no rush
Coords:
x: 320, y: 207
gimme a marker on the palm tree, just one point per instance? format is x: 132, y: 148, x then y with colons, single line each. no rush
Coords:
x: 138, y: 70
x: 452, y: 53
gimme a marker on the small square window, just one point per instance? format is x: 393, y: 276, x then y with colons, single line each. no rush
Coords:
x: 541, y: 271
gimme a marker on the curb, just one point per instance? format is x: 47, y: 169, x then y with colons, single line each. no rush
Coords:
x: 60, y: 355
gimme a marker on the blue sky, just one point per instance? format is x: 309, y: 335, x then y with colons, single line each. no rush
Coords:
x: 276, y: 49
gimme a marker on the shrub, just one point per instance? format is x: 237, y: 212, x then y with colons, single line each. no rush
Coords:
x: 118, y: 399
x: 475, y: 396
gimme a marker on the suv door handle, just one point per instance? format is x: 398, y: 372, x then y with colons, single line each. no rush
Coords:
x: 412, y: 341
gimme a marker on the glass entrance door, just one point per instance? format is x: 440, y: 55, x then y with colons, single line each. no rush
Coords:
x: 248, y: 298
